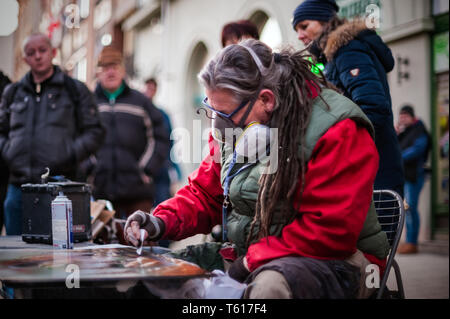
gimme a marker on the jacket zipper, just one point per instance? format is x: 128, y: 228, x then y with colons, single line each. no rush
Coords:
x: 112, y: 102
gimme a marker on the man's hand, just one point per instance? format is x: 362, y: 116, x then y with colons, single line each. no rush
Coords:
x: 154, y: 227
x: 399, y: 128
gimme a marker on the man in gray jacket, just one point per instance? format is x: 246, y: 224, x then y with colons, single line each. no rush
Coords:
x: 47, y: 119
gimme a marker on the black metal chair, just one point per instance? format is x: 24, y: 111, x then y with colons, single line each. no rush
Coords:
x: 391, y: 216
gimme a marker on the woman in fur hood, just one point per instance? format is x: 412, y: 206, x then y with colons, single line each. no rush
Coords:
x: 356, y: 61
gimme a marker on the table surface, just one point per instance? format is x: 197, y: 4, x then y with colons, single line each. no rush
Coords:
x: 29, y: 264
x: 16, y: 242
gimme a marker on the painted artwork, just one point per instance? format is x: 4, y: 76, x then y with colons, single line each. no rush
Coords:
x: 105, y: 264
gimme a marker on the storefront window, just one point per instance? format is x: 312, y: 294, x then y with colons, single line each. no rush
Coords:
x: 355, y: 8
x: 271, y: 33
x: 269, y: 29
x: 195, y: 120
x: 440, y: 6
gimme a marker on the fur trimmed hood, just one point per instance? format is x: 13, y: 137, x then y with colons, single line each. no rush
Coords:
x: 357, y: 29
x: 342, y: 36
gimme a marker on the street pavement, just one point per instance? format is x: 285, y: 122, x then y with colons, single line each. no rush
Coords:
x: 425, y: 275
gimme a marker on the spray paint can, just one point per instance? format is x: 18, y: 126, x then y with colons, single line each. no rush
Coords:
x: 62, y: 221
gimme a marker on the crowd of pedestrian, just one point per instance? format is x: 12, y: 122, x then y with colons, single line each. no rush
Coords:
x: 305, y: 230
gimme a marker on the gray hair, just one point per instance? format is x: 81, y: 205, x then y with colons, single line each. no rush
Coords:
x: 37, y: 34
x: 243, y: 68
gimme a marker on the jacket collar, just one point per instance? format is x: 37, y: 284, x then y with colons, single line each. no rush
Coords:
x: 57, y: 79
x: 342, y: 36
x: 100, y: 92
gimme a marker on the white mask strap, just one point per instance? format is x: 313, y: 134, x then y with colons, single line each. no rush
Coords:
x: 257, y: 60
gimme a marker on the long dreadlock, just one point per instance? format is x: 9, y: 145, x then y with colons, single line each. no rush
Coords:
x: 291, y: 80
x: 291, y: 118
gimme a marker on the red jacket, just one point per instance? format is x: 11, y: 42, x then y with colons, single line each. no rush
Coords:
x: 336, y: 198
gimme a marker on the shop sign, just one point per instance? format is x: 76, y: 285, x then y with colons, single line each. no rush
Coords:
x: 440, y: 52
x: 355, y: 8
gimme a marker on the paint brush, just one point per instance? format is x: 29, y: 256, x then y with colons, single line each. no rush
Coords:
x: 139, y: 249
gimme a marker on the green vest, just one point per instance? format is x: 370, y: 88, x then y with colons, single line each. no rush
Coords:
x: 244, y: 187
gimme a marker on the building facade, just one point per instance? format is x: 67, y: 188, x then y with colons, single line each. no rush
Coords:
x: 171, y: 40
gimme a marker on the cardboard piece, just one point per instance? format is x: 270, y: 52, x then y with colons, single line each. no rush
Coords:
x: 96, y: 208
x: 100, y: 216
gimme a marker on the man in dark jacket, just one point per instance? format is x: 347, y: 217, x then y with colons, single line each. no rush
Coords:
x: 47, y: 119
x: 137, y: 142
x: 415, y: 144
x: 4, y: 81
x: 356, y: 62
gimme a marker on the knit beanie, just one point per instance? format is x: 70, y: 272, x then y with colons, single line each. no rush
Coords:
x: 318, y: 10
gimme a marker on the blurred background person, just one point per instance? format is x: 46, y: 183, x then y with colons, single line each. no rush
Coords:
x: 4, y: 81
x: 415, y: 144
x: 136, y: 144
x: 356, y: 61
x: 47, y: 119
x: 237, y: 31
x: 170, y: 172
x: 166, y: 182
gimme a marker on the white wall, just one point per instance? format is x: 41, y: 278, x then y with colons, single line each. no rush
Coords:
x: 148, y: 52
x: 402, y: 12
x: 417, y: 92
x: 417, y: 89
x: 7, y: 55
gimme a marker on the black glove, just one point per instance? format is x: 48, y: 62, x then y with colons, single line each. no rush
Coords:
x: 154, y: 226
x: 238, y: 271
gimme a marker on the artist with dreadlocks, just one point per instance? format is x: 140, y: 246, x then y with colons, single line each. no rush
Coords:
x: 299, y: 221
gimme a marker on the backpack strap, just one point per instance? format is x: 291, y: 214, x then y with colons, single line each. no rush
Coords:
x: 74, y: 95
x: 10, y: 92
x: 72, y: 89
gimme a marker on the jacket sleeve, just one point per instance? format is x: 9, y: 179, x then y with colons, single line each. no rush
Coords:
x: 416, y: 150
x: 363, y: 84
x: 336, y: 198
x: 158, y: 149
x: 4, y: 115
x: 195, y: 208
x: 92, y: 133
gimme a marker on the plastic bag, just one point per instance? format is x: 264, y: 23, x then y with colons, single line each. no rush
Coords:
x: 219, y: 286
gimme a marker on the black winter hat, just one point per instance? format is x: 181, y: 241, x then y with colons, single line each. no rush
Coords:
x: 408, y: 109
x: 319, y: 10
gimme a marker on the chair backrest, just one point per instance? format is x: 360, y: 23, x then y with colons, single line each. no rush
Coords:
x: 391, y: 214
